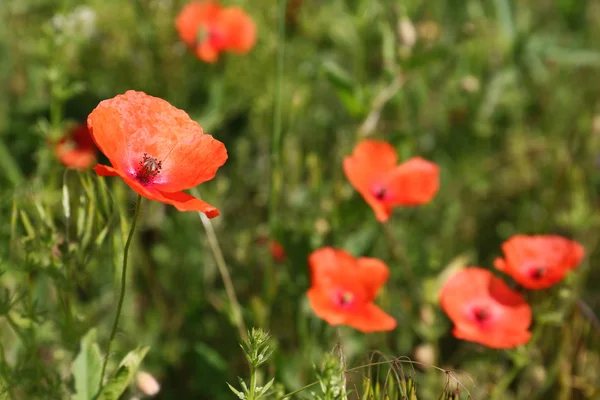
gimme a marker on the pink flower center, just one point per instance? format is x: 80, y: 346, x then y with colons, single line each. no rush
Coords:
x: 344, y: 299
x: 148, y: 169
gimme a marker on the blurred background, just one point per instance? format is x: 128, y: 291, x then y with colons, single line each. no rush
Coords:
x: 503, y: 95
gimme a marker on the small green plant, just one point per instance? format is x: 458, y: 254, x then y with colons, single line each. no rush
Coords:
x: 257, y: 351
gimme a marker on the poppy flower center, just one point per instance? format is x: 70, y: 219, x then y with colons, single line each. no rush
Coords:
x: 148, y: 169
x: 215, y: 37
x: 537, y: 272
x: 481, y: 315
x: 344, y: 299
x: 379, y: 192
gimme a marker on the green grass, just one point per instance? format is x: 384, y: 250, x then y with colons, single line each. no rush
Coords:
x: 517, y: 155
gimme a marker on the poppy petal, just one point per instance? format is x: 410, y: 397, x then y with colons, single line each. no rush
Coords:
x: 185, y: 202
x: 207, y: 52
x: 368, y: 165
x: 373, y: 273
x: 182, y: 201
x: 496, y: 340
x: 129, y: 127
x: 368, y: 318
x: 105, y: 170
x: 413, y: 182
x: 539, y: 261
x: 241, y: 31
x: 192, y: 17
x: 197, y: 160
x: 371, y: 319
x: 485, y: 310
x: 323, y: 307
x: 329, y: 265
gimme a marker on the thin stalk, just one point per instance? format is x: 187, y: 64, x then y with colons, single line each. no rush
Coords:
x: 276, y: 173
x: 252, y: 384
x: 501, y: 387
x: 224, y: 272
x: 136, y: 214
x: 287, y: 395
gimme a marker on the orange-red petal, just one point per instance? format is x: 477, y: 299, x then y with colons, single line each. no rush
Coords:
x: 507, y: 315
x: 193, y: 16
x: 328, y: 264
x: 365, y: 318
x: 413, y: 182
x: 76, y: 149
x: 239, y: 29
x: 129, y: 126
x: 373, y: 274
x: 182, y: 201
x: 207, y: 52
x: 369, y: 164
x: 539, y: 261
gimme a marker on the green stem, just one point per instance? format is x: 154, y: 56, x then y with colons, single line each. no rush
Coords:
x: 276, y: 174
x: 501, y: 387
x: 123, y: 285
x: 213, y: 241
x: 252, y: 384
x: 287, y: 395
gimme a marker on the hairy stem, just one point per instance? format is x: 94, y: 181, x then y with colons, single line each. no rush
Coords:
x: 123, y: 286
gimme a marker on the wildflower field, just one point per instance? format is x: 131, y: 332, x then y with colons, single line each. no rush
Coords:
x: 299, y: 199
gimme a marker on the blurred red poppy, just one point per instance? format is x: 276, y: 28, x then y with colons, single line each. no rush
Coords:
x: 344, y: 288
x: 156, y: 149
x: 209, y: 29
x: 76, y: 149
x: 373, y: 172
x: 539, y: 261
x: 485, y: 310
x: 277, y: 251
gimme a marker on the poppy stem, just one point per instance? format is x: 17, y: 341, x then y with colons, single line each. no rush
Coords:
x: 213, y: 241
x: 123, y: 286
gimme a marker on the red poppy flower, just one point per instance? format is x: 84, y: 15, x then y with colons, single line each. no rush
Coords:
x: 344, y: 288
x: 277, y: 251
x: 539, y: 261
x: 373, y: 172
x: 76, y: 149
x: 156, y: 149
x: 209, y: 29
x: 485, y: 310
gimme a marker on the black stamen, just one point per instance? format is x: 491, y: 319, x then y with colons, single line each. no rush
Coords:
x: 148, y: 169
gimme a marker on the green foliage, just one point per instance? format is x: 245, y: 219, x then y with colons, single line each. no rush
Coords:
x: 502, y: 95
x: 86, y: 368
x: 117, y: 384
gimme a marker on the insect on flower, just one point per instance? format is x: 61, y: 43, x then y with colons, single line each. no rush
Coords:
x: 373, y: 171
x: 344, y: 288
x: 157, y: 149
x: 485, y: 310
x: 539, y: 261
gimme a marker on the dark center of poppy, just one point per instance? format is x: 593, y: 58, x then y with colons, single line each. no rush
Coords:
x: 379, y: 192
x: 481, y: 314
x: 148, y: 169
x: 344, y: 299
x: 210, y: 34
x: 537, y: 272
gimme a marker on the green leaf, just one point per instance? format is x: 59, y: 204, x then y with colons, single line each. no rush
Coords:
x: 119, y: 382
x: 87, y: 367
